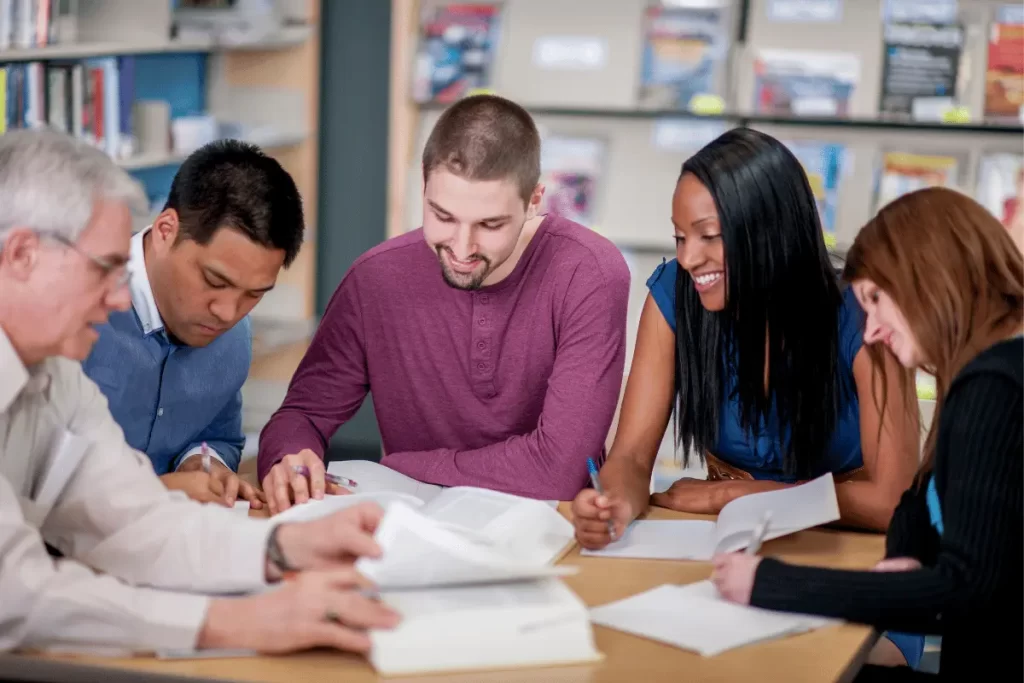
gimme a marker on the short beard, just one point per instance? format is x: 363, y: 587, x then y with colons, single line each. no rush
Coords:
x: 465, y: 283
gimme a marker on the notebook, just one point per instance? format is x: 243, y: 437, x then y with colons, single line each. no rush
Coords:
x: 487, y: 626
x: 473, y: 599
x: 791, y: 509
x: 696, y: 618
x: 528, y: 529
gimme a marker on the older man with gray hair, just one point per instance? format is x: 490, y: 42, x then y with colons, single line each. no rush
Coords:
x: 67, y: 476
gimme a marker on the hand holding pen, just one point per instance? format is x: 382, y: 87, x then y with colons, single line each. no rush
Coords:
x: 300, y: 477
x: 599, y: 516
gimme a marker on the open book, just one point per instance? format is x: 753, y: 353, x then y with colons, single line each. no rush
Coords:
x: 695, y: 617
x: 526, y: 529
x: 470, y: 599
x: 791, y: 509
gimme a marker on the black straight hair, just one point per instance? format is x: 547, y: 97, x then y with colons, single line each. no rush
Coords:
x: 233, y: 184
x: 782, y: 294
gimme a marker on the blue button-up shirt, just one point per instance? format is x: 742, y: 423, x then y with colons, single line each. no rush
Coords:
x: 167, y: 398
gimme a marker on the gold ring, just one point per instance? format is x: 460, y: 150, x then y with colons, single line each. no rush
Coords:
x: 331, y: 616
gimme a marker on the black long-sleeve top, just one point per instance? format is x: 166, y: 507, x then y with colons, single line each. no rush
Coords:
x: 969, y: 589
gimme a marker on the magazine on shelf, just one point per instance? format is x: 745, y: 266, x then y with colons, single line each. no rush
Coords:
x: 920, y: 70
x: 571, y: 169
x: 456, y: 53
x: 1004, y: 75
x: 1000, y: 178
x: 684, y: 55
x: 804, y: 83
x: 904, y: 172
x: 823, y: 164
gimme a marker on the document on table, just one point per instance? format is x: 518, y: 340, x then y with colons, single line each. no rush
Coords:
x: 791, y: 509
x: 696, y: 618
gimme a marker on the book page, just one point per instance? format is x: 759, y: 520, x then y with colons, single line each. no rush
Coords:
x: 695, y: 618
x: 663, y: 540
x: 792, y: 509
x: 487, y: 597
x: 522, y: 527
x: 315, y: 509
x: 372, y: 476
x: 421, y: 552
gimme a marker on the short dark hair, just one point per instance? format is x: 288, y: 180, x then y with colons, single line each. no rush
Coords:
x: 486, y: 137
x: 233, y: 184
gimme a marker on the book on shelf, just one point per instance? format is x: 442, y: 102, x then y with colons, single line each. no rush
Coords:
x: 684, y: 55
x: 804, y: 83
x: 456, y: 52
x: 1004, y: 73
x: 90, y: 99
x: 823, y: 164
x: 1000, y: 180
x: 921, y: 70
x: 789, y: 510
x: 904, y: 172
x: 571, y: 171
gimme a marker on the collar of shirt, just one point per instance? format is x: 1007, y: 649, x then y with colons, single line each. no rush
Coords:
x: 142, y: 293
x: 15, y: 377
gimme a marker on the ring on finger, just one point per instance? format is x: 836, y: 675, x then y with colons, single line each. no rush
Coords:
x: 332, y: 616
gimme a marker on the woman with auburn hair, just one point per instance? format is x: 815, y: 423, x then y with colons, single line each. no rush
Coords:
x: 942, y: 285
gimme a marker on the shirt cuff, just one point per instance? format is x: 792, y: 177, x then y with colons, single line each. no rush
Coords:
x: 174, y: 620
x: 198, y: 450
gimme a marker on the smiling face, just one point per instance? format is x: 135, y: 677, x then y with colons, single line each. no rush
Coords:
x: 203, y: 290
x: 885, y: 324
x: 474, y: 227
x: 699, y: 246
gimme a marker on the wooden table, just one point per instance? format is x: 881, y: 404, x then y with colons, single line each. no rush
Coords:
x: 830, y: 654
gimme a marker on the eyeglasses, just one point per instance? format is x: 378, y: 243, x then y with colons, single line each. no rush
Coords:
x: 119, y: 273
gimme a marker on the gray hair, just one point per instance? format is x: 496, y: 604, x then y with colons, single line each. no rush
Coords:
x: 49, y: 182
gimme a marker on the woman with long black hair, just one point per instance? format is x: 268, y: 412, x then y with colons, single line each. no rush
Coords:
x: 747, y: 335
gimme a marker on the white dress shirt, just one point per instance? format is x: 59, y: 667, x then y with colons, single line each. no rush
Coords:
x: 156, y: 550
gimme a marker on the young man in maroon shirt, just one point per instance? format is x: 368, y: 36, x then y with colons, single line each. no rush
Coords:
x: 492, y: 339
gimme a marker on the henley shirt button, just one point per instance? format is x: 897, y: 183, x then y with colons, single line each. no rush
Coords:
x: 481, y: 345
x: 483, y: 299
x: 481, y: 322
x: 481, y: 366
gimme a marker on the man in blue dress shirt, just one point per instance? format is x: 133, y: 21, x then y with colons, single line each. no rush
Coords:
x: 172, y: 366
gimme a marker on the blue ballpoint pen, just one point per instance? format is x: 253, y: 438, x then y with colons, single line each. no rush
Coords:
x: 596, y: 483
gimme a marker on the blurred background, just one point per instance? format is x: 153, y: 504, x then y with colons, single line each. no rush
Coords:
x: 875, y: 97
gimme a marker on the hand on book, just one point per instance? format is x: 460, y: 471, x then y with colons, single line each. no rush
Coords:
x: 591, y: 512
x: 334, y: 541
x: 284, y: 484
x: 315, y: 609
x: 733, y: 575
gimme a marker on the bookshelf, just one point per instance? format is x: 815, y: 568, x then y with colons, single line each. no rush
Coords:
x: 265, y: 85
x: 591, y: 87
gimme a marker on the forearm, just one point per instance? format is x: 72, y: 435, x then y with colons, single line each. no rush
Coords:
x: 289, y: 431
x: 908, y: 601
x: 630, y: 479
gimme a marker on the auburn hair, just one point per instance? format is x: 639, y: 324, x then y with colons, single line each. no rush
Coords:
x: 956, y: 276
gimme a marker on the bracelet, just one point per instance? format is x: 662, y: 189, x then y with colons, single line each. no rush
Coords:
x: 276, y: 556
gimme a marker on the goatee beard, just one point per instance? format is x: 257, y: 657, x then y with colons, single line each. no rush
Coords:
x: 462, y: 282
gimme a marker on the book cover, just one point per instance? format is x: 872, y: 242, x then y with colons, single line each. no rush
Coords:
x: 683, y: 56
x: 920, y: 70
x: 1000, y: 179
x: 1004, y: 75
x: 456, y: 53
x: 823, y: 165
x: 571, y: 168
x: 904, y: 172
x: 805, y: 83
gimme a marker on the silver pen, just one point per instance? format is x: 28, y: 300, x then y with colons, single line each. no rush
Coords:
x: 759, y: 533
x: 207, y: 461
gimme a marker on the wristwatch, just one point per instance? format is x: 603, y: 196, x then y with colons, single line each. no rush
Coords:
x: 276, y: 556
